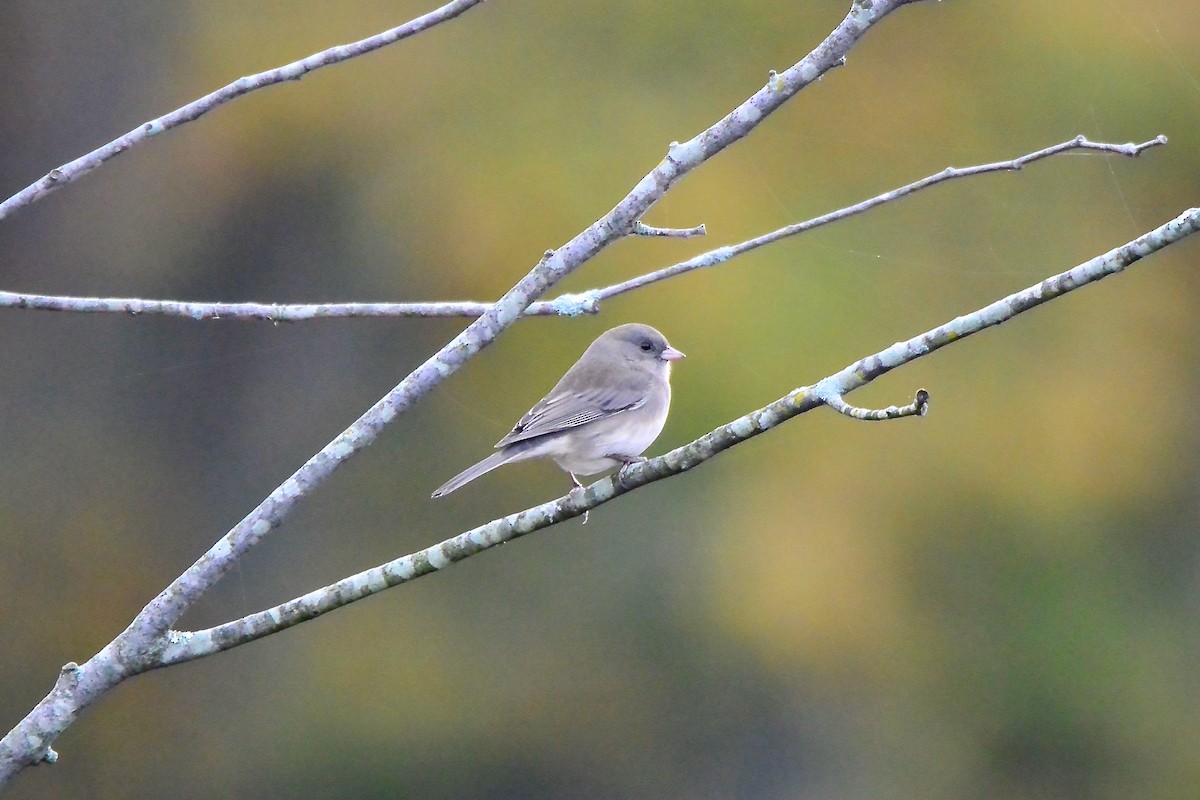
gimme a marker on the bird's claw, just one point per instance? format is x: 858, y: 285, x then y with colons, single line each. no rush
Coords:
x: 579, y: 485
x: 626, y: 463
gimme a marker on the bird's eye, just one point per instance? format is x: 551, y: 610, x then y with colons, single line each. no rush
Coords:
x: 646, y: 346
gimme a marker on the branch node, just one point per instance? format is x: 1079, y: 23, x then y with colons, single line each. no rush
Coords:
x: 678, y: 155
x: 918, y: 408
x: 68, y: 676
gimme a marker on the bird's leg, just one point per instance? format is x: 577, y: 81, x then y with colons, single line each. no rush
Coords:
x: 579, y: 485
x: 626, y: 462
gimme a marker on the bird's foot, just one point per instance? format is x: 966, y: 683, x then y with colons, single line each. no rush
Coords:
x: 626, y: 463
x: 579, y: 485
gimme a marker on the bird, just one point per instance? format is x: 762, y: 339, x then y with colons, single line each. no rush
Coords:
x: 604, y: 412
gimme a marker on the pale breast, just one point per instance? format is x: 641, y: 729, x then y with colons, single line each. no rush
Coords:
x: 585, y: 451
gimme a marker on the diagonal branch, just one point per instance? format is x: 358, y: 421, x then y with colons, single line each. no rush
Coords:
x: 681, y: 159
x: 140, y: 645
x: 190, y: 645
x: 587, y: 302
x: 73, y: 170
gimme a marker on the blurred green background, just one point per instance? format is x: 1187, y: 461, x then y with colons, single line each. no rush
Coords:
x: 998, y: 601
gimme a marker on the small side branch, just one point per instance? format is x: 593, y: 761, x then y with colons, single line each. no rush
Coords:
x: 72, y: 170
x: 642, y: 229
x: 917, y: 408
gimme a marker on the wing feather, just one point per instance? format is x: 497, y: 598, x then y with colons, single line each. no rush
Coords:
x: 560, y: 411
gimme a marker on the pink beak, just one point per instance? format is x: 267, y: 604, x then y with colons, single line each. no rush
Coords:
x: 671, y: 354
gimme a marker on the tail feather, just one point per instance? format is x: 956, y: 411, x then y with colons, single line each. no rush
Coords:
x: 496, y: 459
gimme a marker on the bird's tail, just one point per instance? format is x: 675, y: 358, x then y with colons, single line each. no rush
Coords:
x: 471, y: 473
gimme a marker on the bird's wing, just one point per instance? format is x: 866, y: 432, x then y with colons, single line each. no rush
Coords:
x: 561, y: 411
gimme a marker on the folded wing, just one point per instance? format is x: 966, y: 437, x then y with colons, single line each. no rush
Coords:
x: 562, y: 411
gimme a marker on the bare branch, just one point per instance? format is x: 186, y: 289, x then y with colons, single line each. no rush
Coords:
x: 681, y: 159
x: 570, y: 305
x: 189, y: 645
x: 73, y: 170
x: 139, y: 646
x: 267, y: 312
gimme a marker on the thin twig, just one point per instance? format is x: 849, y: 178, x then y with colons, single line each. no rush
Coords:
x: 919, y: 407
x: 73, y: 170
x: 642, y: 229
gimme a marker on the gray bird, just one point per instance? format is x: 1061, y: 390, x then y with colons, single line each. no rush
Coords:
x: 604, y: 412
